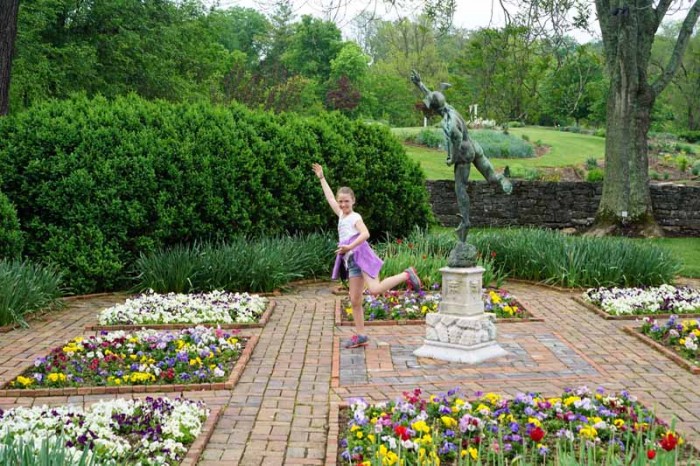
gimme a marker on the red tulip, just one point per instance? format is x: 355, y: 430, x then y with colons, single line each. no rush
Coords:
x: 651, y: 454
x: 537, y: 434
x: 669, y: 441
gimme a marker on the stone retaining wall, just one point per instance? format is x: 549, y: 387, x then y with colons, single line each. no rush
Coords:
x: 559, y: 205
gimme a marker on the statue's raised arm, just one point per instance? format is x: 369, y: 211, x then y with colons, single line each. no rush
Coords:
x: 415, y: 79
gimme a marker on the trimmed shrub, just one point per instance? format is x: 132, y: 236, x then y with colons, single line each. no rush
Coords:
x: 696, y: 168
x: 96, y: 183
x: 10, y: 234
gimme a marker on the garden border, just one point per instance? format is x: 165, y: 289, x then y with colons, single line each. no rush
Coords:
x: 606, y: 316
x: 339, y: 322
x: 675, y: 357
x: 236, y: 372
x: 195, y: 451
x: 180, y: 326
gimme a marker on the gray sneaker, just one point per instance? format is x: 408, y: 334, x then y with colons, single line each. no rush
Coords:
x: 413, y: 280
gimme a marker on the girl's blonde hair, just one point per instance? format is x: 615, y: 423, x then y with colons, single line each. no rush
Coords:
x: 346, y: 190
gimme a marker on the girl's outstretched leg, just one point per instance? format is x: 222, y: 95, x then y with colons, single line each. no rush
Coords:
x: 377, y: 287
x: 356, y: 285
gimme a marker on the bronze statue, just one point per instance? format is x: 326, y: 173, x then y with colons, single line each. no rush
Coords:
x: 462, y: 151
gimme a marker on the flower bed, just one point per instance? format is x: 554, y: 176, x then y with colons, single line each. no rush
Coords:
x: 148, y: 431
x: 177, y: 311
x: 407, y: 307
x: 628, y: 303
x: 197, y: 358
x: 680, y: 340
x: 447, y: 429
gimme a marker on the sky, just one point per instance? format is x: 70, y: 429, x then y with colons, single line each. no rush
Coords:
x: 470, y: 14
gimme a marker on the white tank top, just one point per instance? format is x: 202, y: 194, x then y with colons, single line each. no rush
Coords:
x: 346, y: 226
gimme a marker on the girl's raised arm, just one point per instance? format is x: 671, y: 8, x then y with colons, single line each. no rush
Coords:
x: 327, y: 191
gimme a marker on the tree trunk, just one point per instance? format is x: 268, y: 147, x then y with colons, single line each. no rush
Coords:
x: 8, y: 32
x: 626, y: 201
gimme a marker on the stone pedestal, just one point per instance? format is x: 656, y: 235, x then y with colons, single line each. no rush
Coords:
x: 460, y: 331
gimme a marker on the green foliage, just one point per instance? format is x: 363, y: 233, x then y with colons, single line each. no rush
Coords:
x: 16, y: 451
x: 525, y: 173
x: 496, y: 144
x: 515, y: 124
x: 96, y: 183
x: 434, y: 138
x: 574, y: 261
x: 591, y: 163
x: 11, y: 240
x: 682, y: 163
x: 27, y: 287
x: 690, y: 136
x: 696, y: 168
x: 595, y: 175
x: 242, y: 264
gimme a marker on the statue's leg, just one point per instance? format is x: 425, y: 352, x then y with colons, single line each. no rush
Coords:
x: 461, y: 179
x: 483, y: 164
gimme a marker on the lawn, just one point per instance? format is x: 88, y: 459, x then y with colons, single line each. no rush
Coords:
x: 687, y: 250
x: 565, y: 149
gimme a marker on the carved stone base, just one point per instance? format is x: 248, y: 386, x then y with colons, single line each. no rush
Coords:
x: 455, y: 338
x: 457, y: 353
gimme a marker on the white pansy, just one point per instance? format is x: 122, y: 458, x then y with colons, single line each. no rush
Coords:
x: 661, y: 299
x: 213, y: 307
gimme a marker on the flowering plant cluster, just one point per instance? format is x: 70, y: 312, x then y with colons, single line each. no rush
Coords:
x: 446, y: 428
x: 683, y: 336
x: 145, y: 432
x: 664, y: 299
x: 146, y: 357
x: 215, y: 307
x: 399, y: 305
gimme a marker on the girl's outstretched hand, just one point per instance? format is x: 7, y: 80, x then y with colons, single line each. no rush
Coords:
x: 318, y: 169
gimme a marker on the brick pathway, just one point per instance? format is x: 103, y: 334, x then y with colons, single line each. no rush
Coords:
x: 278, y: 412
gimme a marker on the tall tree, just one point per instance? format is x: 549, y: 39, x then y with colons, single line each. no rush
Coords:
x: 628, y: 31
x: 8, y: 33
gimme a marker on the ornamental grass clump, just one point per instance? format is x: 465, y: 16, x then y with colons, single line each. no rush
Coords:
x: 152, y: 431
x: 577, y: 427
x: 241, y: 264
x: 27, y: 287
x: 574, y: 261
x: 428, y: 252
x: 146, y: 357
x: 681, y: 336
x: 664, y: 299
x: 216, y: 307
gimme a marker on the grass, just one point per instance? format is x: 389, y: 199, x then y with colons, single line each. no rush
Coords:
x: 27, y: 287
x: 686, y: 250
x: 565, y: 149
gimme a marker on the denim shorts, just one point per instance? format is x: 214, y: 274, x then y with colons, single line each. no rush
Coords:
x: 353, y: 269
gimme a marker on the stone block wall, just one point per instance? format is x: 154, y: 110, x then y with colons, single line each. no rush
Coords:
x: 559, y: 205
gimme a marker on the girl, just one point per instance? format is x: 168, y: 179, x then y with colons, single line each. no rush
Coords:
x: 361, y: 262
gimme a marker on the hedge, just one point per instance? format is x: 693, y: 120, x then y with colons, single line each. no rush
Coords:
x: 98, y: 182
x: 10, y: 234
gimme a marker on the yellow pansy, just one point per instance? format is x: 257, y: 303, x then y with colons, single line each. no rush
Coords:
x: 473, y: 452
x: 492, y: 398
x: 57, y: 377
x: 571, y: 399
x: 534, y: 421
x: 495, y: 297
x: 354, y: 428
x: 421, y: 426
x: 448, y: 421
x: 588, y: 432
x: 618, y: 422
x: 24, y: 381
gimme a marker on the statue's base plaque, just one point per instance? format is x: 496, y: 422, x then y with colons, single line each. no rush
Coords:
x: 455, y: 338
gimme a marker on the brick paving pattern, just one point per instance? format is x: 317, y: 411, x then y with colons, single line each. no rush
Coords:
x: 278, y: 412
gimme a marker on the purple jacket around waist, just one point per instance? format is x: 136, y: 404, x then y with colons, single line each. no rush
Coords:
x: 365, y: 259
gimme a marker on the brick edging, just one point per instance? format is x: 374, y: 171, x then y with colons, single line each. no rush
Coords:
x: 233, y: 378
x: 339, y: 322
x: 180, y: 326
x: 675, y: 357
x: 333, y: 433
x: 607, y: 316
x: 200, y: 443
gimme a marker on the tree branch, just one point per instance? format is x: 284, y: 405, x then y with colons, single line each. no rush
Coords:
x: 681, y: 44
